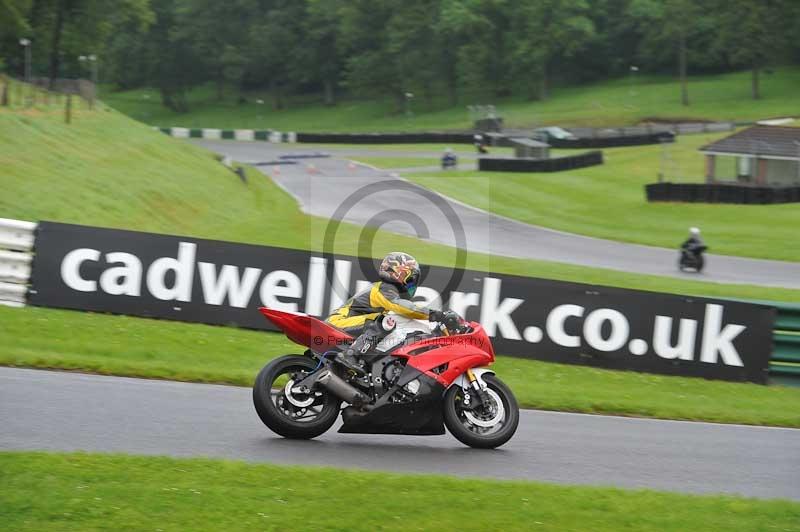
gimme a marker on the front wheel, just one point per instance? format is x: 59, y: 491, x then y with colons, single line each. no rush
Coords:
x: 485, y: 427
x: 289, y: 414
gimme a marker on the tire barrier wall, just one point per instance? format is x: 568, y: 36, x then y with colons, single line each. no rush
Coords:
x: 265, y: 135
x: 719, y: 193
x: 558, y: 164
x: 401, y: 138
x: 682, y: 128
x: 587, y: 143
x: 386, y: 138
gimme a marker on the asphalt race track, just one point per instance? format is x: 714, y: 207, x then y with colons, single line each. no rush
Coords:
x: 56, y: 411
x: 333, y: 182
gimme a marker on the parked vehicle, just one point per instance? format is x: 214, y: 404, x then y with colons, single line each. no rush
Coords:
x: 545, y: 134
x: 420, y: 378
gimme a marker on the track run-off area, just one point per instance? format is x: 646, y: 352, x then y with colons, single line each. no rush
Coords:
x: 57, y: 411
x: 335, y: 182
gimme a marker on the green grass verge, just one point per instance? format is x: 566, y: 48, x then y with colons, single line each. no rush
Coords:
x: 614, y: 102
x: 120, y: 345
x: 78, y: 491
x: 107, y: 170
x: 581, y: 201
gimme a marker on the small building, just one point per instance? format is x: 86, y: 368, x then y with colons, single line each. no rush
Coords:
x: 530, y: 149
x: 760, y: 155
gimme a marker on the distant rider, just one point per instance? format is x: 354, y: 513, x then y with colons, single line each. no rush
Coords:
x: 363, y: 314
x: 694, y: 245
x: 449, y: 159
x: 480, y: 143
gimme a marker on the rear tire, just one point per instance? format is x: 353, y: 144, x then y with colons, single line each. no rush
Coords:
x: 700, y: 264
x: 469, y: 434
x: 272, y: 404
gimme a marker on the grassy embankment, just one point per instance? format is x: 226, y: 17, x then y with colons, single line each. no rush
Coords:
x: 610, y: 103
x: 109, y: 171
x: 89, y: 491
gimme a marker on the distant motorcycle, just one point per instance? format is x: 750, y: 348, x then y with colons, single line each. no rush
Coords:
x: 691, y: 259
x: 449, y: 160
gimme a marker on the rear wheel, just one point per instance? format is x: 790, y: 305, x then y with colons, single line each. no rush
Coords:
x: 484, y: 427
x: 289, y: 414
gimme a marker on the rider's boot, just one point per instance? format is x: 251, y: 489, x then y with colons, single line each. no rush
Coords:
x: 374, y: 332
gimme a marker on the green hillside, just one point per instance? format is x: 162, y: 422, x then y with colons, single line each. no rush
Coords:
x: 108, y: 170
x: 615, y: 102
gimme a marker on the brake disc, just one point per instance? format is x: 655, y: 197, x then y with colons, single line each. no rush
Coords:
x: 498, y: 416
x: 287, y: 392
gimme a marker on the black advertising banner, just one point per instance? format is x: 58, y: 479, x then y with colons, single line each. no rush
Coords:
x: 206, y: 281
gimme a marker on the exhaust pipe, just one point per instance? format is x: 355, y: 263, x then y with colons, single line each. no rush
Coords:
x: 338, y: 387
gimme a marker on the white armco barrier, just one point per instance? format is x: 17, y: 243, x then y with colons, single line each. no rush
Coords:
x: 15, y: 266
x: 16, y: 243
x: 16, y: 234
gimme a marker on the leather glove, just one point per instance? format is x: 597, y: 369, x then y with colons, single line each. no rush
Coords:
x: 452, y: 321
x: 436, y: 315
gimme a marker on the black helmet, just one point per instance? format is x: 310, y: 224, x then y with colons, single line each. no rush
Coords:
x: 402, y: 270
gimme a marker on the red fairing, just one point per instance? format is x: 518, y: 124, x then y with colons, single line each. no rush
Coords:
x: 307, y: 330
x: 450, y: 355
x: 459, y: 352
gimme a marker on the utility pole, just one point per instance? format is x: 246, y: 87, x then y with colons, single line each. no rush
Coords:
x: 26, y: 43
x: 92, y: 59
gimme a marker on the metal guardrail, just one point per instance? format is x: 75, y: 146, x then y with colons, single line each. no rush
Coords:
x: 16, y: 246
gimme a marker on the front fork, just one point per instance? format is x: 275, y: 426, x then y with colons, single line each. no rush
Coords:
x: 477, y: 389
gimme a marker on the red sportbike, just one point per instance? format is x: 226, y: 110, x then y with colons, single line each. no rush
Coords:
x: 416, y: 377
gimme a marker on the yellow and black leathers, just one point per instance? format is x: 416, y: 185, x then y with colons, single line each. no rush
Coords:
x: 368, y: 304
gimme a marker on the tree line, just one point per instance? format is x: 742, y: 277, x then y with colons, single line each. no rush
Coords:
x: 435, y: 49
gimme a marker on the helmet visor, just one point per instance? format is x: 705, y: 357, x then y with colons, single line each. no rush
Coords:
x: 412, y: 282
x: 411, y: 286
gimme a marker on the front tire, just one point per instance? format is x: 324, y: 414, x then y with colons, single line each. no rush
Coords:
x: 482, y: 429
x: 290, y: 415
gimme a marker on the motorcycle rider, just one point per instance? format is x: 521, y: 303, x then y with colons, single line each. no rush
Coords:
x: 693, y: 245
x: 480, y: 143
x: 362, y: 316
x: 449, y: 158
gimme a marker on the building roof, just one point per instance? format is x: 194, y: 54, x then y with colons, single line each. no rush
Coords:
x: 765, y: 141
x: 528, y: 142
